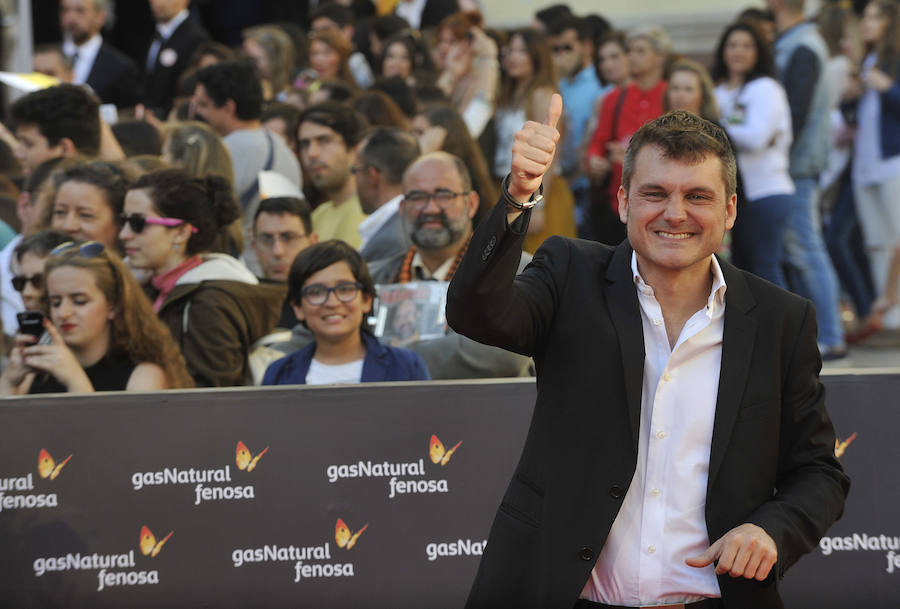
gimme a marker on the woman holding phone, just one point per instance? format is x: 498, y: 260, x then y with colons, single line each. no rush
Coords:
x: 103, y: 334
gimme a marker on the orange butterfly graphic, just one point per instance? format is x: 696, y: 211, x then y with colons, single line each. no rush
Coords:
x: 149, y: 545
x: 244, y: 459
x: 438, y: 453
x: 840, y: 447
x: 342, y: 534
x: 47, y: 467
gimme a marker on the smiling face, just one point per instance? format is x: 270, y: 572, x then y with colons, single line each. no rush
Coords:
x: 156, y: 248
x: 676, y: 213
x: 81, y: 210
x: 333, y: 321
x: 78, y: 308
x: 433, y: 227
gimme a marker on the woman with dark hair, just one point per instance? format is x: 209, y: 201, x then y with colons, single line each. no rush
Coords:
x: 528, y: 82
x: 331, y: 292
x: 380, y: 110
x: 876, y: 164
x: 214, y: 307
x: 757, y: 118
x: 440, y: 127
x: 88, y: 199
x: 406, y: 56
x: 103, y: 334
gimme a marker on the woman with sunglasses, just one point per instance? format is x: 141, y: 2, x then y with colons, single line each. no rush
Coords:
x: 103, y: 334
x: 31, y: 254
x: 331, y: 293
x: 215, y: 308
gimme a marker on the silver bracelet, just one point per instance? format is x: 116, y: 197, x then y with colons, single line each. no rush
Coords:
x: 536, y: 197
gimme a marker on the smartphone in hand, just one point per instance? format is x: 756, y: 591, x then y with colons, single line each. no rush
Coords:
x: 32, y: 322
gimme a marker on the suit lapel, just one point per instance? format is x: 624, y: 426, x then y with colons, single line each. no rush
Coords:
x: 737, y: 346
x: 622, y: 302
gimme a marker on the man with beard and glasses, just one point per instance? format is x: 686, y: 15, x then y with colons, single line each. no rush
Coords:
x: 437, y: 210
x: 327, y: 139
x: 111, y: 74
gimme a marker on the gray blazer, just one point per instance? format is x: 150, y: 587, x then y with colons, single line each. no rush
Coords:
x: 390, y: 240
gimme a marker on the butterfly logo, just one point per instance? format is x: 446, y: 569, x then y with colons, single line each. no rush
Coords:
x: 149, y: 545
x: 47, y: 467
x: 244, y: 459
x: 342, y: 534
x: 438, y: 453
x: 840, y: 447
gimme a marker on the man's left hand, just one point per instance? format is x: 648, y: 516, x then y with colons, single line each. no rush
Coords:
x: 745, y: 551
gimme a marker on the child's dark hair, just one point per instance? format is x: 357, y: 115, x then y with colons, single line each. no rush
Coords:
x: 321, y: 255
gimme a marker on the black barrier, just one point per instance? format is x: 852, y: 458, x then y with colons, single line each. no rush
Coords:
x: 361, y: 496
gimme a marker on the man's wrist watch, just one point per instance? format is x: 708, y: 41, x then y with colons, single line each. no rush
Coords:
x: 536, y: 197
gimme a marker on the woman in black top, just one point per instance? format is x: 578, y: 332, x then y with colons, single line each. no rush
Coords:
x: 103, y: 332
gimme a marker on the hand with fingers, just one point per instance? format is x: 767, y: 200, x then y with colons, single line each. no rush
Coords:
x: 57, y: 359
x: 533, y: 148
x: 745, y: 551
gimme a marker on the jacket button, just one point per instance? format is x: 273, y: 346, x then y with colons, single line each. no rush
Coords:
x: 493, y: 241
x: 586, y: 554
x: 616, y: 491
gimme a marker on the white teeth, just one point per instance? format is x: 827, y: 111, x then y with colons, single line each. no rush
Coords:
x: 673, y: 235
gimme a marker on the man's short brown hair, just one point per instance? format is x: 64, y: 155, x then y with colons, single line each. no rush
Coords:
x: 683, y: 136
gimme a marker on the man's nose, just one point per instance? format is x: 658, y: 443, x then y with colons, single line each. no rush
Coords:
x: 278, y: 247
x: 676, y: 209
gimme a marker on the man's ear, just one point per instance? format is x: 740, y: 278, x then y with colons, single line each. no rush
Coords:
x: 67, y: 147
x: 313, y: 238
x: 622, y: 196
x: 472, y: 202
x: 231, y: 106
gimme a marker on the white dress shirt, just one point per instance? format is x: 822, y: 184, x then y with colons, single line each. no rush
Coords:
x: 165, y: 31
x: 84, y: 55
x: 662, y: 520
x: 378, y: 218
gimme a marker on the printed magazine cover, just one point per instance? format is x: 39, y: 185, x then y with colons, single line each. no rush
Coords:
x: 408, y: 312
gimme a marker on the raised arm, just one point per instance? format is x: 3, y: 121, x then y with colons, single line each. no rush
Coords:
x: 486, y: 301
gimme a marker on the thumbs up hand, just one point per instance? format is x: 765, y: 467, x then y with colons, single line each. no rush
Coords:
x: 533, y: 148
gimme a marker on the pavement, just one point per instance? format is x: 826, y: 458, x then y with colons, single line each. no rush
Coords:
x: 878, y: 354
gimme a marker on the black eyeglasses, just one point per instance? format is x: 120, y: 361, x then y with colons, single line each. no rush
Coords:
x: 417, y: 200
x: 137, y: 223
x: 317, y: 294
x: 88, y: 249
x: 36, y: 280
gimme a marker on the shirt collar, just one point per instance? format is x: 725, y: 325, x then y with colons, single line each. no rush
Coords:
x: 716, y: 293
x: 378, y: 218
x: 167, y: 29
x: 90, y: 47
x: 420, y: 271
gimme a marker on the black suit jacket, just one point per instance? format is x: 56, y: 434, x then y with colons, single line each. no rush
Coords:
x: 114, y: 78
x: 435, y: 11
x: 575, y: 310
x: 160, y: 84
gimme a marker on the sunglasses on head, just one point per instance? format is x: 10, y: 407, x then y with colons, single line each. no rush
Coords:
x: 36, y: 280
x: 137, y: 223
x: 88, y: 249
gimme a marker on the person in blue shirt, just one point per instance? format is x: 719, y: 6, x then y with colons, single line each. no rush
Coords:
x: 331, y: 292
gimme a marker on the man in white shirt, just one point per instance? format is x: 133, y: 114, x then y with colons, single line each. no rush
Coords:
x: 383, y: 157
x: 111, y: 74
x: 680, y: 453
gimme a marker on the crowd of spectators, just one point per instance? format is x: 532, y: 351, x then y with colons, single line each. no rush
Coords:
x: 188, y: 212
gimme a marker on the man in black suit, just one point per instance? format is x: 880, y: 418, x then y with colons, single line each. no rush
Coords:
x: 177, y: 36
x: 111, y: 74
x: 680, y: 453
